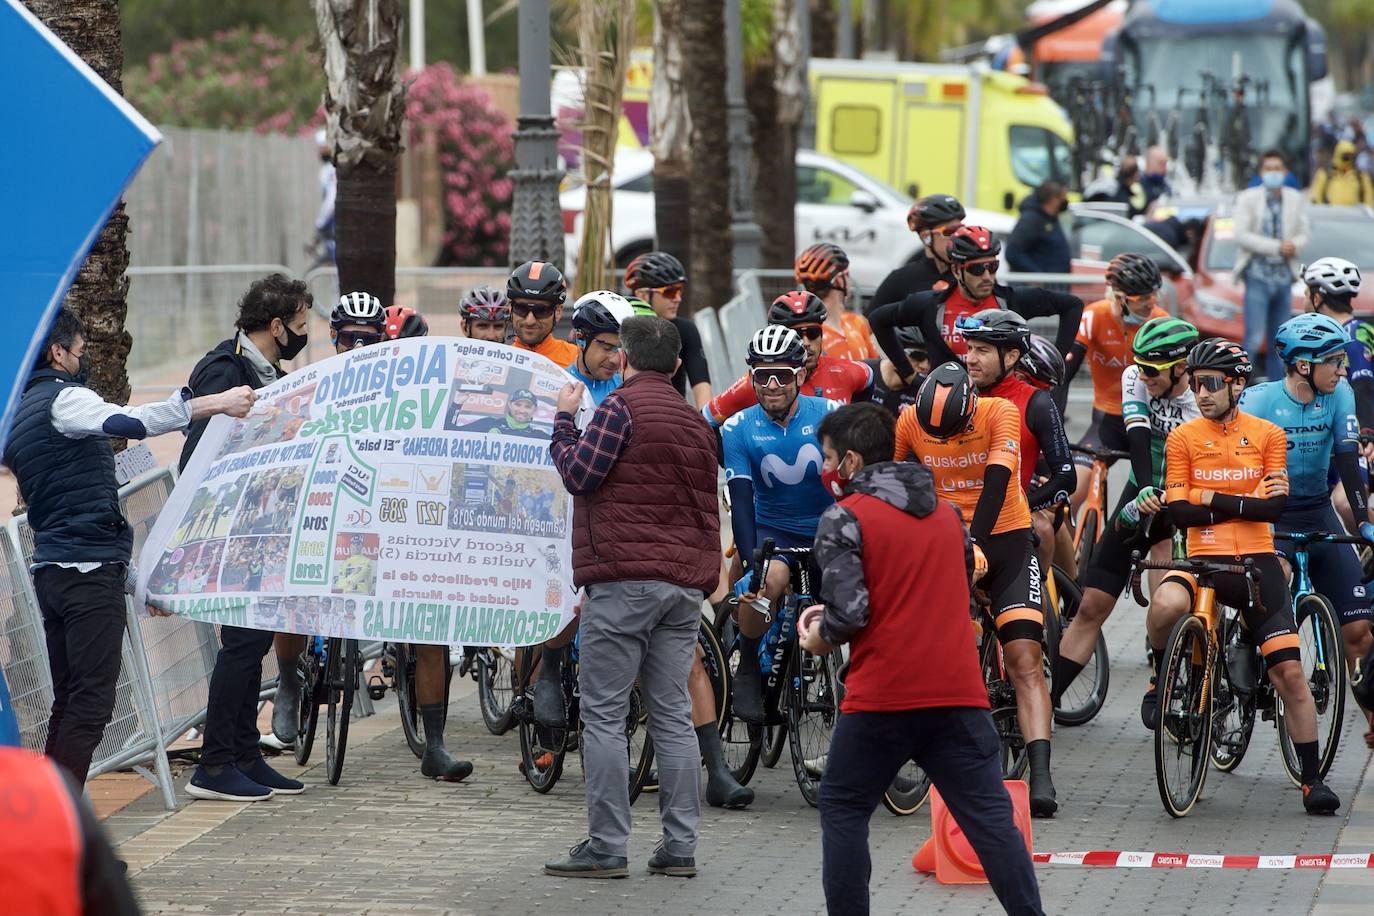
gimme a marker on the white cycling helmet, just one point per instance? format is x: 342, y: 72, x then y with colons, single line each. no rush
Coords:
x: 600, y: 312
x: 776, y: 344
x: 358, y: 308
x: 1332, y: 277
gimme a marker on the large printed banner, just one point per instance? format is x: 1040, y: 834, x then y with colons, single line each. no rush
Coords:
x: 401, y: 492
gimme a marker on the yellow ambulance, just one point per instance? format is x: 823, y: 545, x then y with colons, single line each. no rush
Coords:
x: 985, y: 136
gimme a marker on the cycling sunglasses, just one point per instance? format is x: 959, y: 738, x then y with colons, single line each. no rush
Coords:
x: 981, y: 268
x: 969, y: 323
x: 671, y: 291
x: 522, y: 309
x: 1213, y: 383
x: 1152, y: 370
x: 351, y: 340
x: 810, y: 331
x: 1339, y: 360
x: 774, y: 376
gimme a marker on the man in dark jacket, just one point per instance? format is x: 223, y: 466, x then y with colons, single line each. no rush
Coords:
x: 896, y: 564
x: 1037, y: 243
x: 646, y: 546
x: 272, y: 321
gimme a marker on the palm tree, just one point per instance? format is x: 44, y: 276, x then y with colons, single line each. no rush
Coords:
x: 709, y: 270
x: 364, y: 102
x: 775, y: 91
x: 99, y: 294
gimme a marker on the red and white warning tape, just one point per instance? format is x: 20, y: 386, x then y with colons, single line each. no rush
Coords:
x: 1110, y: 858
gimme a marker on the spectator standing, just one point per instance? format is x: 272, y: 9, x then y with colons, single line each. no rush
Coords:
x: 1037, y: 244
x: 272, y: 326
x: 896, y: 563
x: 329, y: 184
x: 59, y: 451
x: 1342, y: 183
x: 1271, y: 228
x: 1155, y: 181
x: 646, y: 546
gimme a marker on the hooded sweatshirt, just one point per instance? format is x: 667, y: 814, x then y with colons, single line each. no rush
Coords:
x: 895, y: 565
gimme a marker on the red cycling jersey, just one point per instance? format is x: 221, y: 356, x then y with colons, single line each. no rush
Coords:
x: 836, y: 379
x: 957, y: 305
x: 1019, y: 393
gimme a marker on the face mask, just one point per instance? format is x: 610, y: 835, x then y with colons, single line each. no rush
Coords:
x: 835, y: 483
x: 295, y: 343
x: 1131, y: 318
x: 83, y: 369
x: 1272, y: 180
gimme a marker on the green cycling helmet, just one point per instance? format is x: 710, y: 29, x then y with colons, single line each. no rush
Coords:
x: 1164, y: 340
x: 640, y: 306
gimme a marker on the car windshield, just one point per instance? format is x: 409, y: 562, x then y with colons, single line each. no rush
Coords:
x: 1340, y: 237
x: 1038, y: 155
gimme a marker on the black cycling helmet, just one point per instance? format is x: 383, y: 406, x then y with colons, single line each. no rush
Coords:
x: 654, y: 270
x: 970, y: 243
x: 797, y: 307
x: 1133, y: 274
x: 999, y: 327
x: 946, y: 400
x: 932, y: 210
x: 776, y: 344
x: 485, y: 303
x: 538, y: 280
x: 912, y: 340
x: 1043, y: 362
x: 1225, y: 356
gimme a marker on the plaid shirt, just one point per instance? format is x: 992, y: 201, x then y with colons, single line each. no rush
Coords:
x: 584, y: 459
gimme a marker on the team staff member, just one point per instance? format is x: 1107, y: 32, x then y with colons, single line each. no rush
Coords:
x: 972, y: 445
x: 1226, y: 482
x: 896, y: 566
x: 59, y: 451
x: 661, y: 280
x: 933, y: 219
x: 273, y: 321
x: 536, y: 291
x: 823, y: 269
x: 485, y: 312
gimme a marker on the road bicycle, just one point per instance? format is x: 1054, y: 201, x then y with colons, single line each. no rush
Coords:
x: 1092, y: 516
x: 1084, y: 698
x: 493, y: 667
x: 329, y: 669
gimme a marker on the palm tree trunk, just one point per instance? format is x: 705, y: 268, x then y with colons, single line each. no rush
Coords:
x: 99, y: 294
x: 364, y: 103
x: 710, y: 270
x: 670, y: 128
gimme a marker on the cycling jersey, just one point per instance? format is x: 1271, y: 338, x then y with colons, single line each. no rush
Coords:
x: 1230, y: 459
x: 915, y: 276
x: 958, y: 463
x: 1160, y: 416
x: 560, y: 351
x: 851, y: 340
x: 1313, y: 430
x: 892, y: 399
x: 1042, y: 432
x: 597, y: 388
x: 839, y: 380
x: 693, y: 370
x: 1361, y: 371
x: 782, y: 462
x: 1107, y: 339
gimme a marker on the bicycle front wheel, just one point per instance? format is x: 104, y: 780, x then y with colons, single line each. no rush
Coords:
x: 343, y: 665
x: 1323, y: 667
x: 1184, y: 732
x: 813, y: 708
x: 308, y: 709
x: 406, y: 701
x: 494, y: 689
x: 1083, y: 699
x: 741, y: 743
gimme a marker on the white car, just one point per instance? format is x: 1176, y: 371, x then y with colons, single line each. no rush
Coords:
x: 835, y: 203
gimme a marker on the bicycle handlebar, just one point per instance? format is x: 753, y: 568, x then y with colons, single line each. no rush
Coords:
x: 761, y: 558
x: 1199, y: 568
x: 1100, y: 454
x: 1303, y: 538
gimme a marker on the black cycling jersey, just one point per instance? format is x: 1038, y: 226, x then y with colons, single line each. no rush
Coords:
x: 693, y: 370
x: 915, y: 276
x: 1047, y: 425
x: 893, y: 399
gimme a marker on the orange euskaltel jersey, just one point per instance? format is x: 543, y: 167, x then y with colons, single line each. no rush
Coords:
x: 994, y: 437
x: 1234, y: 459
x: 1108, y: 340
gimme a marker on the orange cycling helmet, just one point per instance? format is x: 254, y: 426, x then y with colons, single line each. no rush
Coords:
x: 819, y: 266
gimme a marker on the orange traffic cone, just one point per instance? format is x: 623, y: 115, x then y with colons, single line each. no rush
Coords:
x: 948, y: 854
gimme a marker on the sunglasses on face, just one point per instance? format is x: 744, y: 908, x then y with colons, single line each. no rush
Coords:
x: 774, y: 377
x: 671, y: 291
x: 1339, y: 361
x: 978, y: 270
x: 810, y: 331
x: 608, y: 347
x: 524, y: 309
x: 1141, y: 300
x: 354, y: 339
x: 1152, y: 371
x: 1212, y: 383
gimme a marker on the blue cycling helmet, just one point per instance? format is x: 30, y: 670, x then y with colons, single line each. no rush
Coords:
x: 1309, y: 337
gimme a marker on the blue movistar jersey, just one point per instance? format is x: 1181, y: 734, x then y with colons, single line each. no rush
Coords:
x: 1314, y: 432
x: 783, y: 462
x: 596, y: 388
x: 1360, y: 349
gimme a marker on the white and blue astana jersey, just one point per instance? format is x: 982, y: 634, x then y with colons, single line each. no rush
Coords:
x: 597, y: 389
x: 1315, y: 431
x: 783, y: 462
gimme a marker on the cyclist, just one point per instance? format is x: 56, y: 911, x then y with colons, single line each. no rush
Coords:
x: 823, y: 269
x: 773, y: 471
x: 596, y: 322
x: 485, y: 312
x: 972, y: 447
x: 1042, y: 365
x: 1104, y: 342
x: 842, y: 380
x: 1226, y: 482
x: 1155, y: 400
x: 973, y: 253
x: 933, y: 218
x: 404, y: 321
x: 1330, y: 288
x: 888, y: 389
x: 536, y: 291
x: 661, y: 278
x: 1315, y: 407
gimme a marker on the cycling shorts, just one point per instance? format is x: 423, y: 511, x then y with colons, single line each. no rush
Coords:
x: 1110, y: 566
x: 1013, y: 585
x: 1335, y: 568
x: 1107, y: 430
x: 1271, y: 624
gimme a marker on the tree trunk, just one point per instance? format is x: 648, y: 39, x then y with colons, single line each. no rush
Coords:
x: 825, y: 24
x: 670, y: 134
x: 99, y: 294
x: 710, y: 270
x: 364, y: 103
x: 775, y: 169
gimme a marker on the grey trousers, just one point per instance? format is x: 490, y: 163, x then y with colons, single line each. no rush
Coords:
x: 648, y: 629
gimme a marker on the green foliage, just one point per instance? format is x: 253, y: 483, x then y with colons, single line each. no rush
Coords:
x: 152, y: 26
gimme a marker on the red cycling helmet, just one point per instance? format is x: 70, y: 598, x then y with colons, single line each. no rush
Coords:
x: 971, y: 243
x: 404, y: 321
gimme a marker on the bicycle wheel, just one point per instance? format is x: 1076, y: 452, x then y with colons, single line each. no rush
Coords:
x: 1323, y: 667
x: 1184, y: 734
x: 813, y: 708
x: 343, y: 665
x: 714, y: 663
x: 1233, y: 720
x: 405, y: 698
x: 640, y: 745
x: 742, y: 743
x: 308, y: 710
x: 1087, y: 527
x: 494, y: 690
x: 908, y: 792
x: 1013, y: 745
x: 1084, y: 698
x: 541, y: 754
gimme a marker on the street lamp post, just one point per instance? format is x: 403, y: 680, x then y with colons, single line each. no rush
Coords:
x: 746, y: 233
x: 536, y: 231
x: 844, y: 46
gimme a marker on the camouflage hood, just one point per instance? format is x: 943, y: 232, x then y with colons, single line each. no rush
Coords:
x: 905, y: 485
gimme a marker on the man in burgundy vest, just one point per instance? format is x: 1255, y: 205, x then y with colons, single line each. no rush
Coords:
x: 895, y: 585
x: 646, y: 546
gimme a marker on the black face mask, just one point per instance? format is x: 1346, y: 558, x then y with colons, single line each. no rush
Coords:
x: 83, y: 368
x: 295, y: 343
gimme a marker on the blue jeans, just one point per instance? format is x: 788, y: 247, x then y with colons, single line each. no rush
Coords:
x: 1267, y: 305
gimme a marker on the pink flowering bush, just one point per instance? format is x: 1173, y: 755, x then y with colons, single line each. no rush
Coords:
x: 476, y: 154
x: 240, y: 79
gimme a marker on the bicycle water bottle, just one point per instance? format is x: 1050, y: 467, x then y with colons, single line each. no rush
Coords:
x: 1129, y: 516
